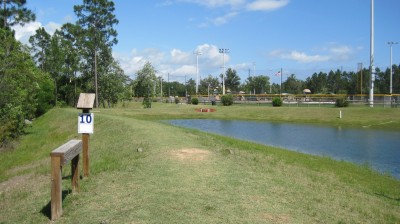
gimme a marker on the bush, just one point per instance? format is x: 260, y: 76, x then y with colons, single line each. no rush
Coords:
x: 177, y: 100
x: 227, y: 100
x: 277, y: 102
x: 341, y: 102
x: 195, y: 101
x: 146, y: 102
x: 11, y: 124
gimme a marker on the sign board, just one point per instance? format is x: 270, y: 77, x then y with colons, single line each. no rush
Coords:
x: 85, y: 123
x: 86, y: 101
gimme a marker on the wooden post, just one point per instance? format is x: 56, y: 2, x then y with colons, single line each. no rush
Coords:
x: 56, y: 194
x: 85, y: 149
x: 85, y: 102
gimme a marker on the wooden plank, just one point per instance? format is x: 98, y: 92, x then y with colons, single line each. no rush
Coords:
x: 68, y: 151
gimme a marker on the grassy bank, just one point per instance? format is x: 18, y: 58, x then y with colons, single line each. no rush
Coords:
x: 358, y: 117
x: 185, y: 176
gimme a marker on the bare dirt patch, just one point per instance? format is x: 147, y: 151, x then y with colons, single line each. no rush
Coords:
x: 22, y: 168
x: 192, y: 154
x: 27, y: 182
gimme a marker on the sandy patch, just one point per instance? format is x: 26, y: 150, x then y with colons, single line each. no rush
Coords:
x: 17, y: 182
x: 190, y: 154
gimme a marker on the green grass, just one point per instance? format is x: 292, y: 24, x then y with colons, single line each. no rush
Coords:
x: 186, y: 176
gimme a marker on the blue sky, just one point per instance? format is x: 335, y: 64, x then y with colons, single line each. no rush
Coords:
x: 263, y: 36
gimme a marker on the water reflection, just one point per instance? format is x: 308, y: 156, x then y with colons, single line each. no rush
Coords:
x: 379, y: 149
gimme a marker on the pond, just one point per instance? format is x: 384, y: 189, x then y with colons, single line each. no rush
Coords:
x: 376, y: 148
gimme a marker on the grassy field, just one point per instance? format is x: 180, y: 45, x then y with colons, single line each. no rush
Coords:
x: 186, y: 176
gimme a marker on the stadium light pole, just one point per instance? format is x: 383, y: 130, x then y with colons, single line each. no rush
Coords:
x: 372, y: 66
x: 197, y: 53
x: 390, y: 43
x: 223, y: 51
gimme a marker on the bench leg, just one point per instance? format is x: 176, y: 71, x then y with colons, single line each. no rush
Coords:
x: 75, y: 173
x: 56, y: 194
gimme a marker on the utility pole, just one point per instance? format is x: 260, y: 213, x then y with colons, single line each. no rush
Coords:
x: 254, y: 75
x: 169, y: 88
x: 281, y: 82
x: 360, y: 68
x: 161, y: 92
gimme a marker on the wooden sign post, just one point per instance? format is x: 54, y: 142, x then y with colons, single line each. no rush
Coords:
x: 85, y: 126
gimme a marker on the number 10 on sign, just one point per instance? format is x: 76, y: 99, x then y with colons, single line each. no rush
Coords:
x: 85, y: 123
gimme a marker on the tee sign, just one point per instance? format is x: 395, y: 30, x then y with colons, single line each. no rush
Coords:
x: 85, y: 123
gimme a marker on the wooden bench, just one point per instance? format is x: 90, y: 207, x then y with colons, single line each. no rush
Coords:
x: 59, y: 157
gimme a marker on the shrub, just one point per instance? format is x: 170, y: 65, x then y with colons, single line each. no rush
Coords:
x: 341, y: 102
x: 146, y: 102
x: 227, y: 100
x: 11, y: 123
x: 177, y: 100
x: 277, y: 102
x: 195, y: 101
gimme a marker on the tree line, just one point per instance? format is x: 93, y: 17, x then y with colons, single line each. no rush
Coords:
x: 54, y: 69
x: 77, y: 58
x: 333, y: 82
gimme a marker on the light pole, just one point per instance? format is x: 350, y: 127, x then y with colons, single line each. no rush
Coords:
x: 223, y: 51
x: 254, y: 75
x: 371, y: 59
x: 360, y: 68
x: 197, y: 53
x: 390, y: 43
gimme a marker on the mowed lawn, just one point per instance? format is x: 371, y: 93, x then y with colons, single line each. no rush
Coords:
x: 186, y: 176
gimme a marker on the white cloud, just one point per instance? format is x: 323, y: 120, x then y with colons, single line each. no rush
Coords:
x: 216, y: 3
x: 185, y: 70
x: 68, y: 19
x: 266, y: 5
x: 211, y: 58
x: 51, y: 27
x: 22, y: 33
x: 329, y: 52
x: 300, y: 56
x: 165, y: 3
x: 180, y: 57
x: 235, y: 8
x: 224, y: 19
x: 341, y: 52
x: 176, y: 62
x: 136, y: 60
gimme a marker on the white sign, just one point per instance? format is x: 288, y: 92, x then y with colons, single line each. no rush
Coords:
x: 85, y: 123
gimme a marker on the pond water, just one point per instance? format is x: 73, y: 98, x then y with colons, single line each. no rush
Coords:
x: 376, y: 148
